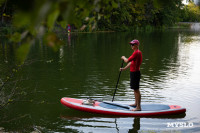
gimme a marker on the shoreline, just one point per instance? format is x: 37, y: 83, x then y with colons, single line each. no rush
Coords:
x: 9, y: 30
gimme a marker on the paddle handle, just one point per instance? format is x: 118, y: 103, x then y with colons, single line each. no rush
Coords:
x: 117, y: 81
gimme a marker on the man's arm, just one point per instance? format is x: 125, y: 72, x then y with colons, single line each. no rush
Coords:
x: 127, y: 66
x: 125, y: 59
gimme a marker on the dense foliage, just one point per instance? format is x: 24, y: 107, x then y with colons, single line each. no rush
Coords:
x: 96, y: 14
x: 149, y: 13
x: 191, y: 13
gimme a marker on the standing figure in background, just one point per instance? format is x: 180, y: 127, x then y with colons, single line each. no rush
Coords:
x: 69, y: 28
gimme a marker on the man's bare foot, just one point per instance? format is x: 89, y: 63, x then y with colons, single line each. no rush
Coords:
x: 135, y: 109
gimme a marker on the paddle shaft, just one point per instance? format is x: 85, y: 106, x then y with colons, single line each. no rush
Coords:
x: 118, y: 80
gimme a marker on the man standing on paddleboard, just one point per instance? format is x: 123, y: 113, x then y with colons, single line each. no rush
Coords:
x: 134, y: 62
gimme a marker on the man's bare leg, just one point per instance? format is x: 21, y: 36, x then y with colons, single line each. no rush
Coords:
x: 137, y: 100
x: 135, y: 104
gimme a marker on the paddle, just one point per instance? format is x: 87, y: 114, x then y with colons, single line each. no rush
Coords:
x: 117, y: 81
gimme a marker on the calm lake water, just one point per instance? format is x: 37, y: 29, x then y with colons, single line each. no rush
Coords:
x: 88, y: 66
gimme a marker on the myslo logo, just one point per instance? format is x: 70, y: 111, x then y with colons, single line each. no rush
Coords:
x: 180, y: 124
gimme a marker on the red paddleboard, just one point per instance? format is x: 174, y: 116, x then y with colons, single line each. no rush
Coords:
x: 110, y: 108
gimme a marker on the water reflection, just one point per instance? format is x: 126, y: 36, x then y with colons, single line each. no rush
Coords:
x: 195, y: 26
x: 103, y: 124
x: 170, y: 75
x: 136, y: 126
x: 86, y: 122
x: 184, y: 73
x: 88, y: 66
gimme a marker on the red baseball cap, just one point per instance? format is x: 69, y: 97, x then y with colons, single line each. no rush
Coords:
x: 134, y: 42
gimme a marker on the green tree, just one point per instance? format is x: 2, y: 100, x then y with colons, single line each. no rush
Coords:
x: 191, y: 13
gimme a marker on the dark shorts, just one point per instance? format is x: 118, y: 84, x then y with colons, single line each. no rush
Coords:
x: 135, y: 80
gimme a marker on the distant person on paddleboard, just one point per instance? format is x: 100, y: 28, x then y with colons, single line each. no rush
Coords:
x: 134, y: 62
